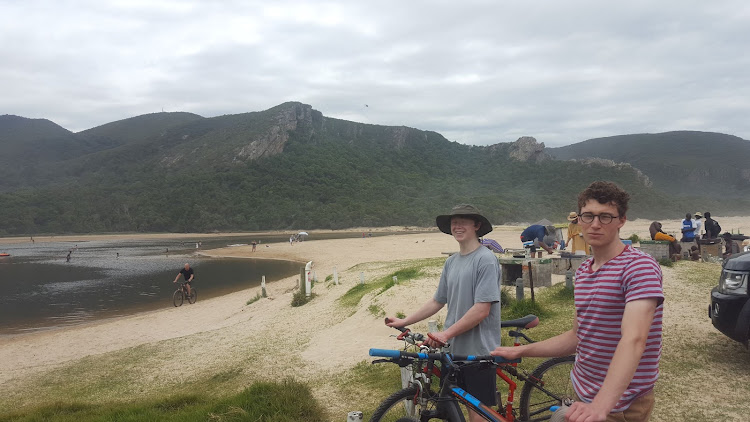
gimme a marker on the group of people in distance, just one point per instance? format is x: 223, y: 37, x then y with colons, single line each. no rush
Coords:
x: 693, y: 229
x: 617, y: 328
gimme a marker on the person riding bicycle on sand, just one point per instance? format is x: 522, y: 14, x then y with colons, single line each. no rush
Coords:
x: 470, y: 286
x: 189, y: 275
x: 617, y: 329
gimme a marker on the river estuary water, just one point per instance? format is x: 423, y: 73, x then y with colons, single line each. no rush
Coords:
x: 41, y: 290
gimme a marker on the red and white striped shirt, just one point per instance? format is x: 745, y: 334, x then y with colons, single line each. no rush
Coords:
x: 600, y: 299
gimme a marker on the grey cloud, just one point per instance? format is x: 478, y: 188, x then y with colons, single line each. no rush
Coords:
x: 478, y: 72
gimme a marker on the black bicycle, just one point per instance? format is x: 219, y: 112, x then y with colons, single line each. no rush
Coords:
x: 181, y: 294
x: 544, y: 389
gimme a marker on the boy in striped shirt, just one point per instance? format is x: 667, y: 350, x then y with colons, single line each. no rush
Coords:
x: 616, y: 334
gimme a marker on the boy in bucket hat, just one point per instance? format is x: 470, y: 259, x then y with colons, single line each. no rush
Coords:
x: 470, y: 286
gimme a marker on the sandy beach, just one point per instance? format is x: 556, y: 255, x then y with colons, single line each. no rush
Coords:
x: 324, y: 337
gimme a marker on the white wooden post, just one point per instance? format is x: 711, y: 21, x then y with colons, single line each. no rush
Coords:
x: 355, y: 416
x: 432, y: 326
x: 335, y: 276
x: 361, y: 277
x: 395, y: 280
x: 263, y: 286
x: 308, y: 279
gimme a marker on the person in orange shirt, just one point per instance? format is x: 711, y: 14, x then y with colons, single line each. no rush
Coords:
x: 575, y: 240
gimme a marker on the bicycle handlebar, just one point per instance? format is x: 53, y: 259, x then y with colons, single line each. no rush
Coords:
x: 385, y: 353
x: 405, y: 332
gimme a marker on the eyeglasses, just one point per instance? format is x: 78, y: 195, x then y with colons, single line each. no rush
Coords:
x: 588, y: 218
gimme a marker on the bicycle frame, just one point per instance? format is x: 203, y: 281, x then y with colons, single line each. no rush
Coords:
x: 448, y: 383
x: 508, y: 371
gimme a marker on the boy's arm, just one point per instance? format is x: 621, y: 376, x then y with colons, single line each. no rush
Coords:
x: 560, y: 345
x: 471, y: 319
x: 636, y: 324
x: 427, y: 310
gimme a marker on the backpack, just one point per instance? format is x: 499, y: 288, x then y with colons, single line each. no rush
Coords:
x: 714, y: 228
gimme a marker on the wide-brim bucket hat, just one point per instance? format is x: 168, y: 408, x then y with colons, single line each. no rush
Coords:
x: 698, y: 215
x: 464, y: 210
x: 572, y: 216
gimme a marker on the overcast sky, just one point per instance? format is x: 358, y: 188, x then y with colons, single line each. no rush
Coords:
x: 478, y: 72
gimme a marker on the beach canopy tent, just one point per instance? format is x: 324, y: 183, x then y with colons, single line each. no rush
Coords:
x: 558, y: 236
x: 302, y: 234
x: 492, y: 245
x: 544, y: 222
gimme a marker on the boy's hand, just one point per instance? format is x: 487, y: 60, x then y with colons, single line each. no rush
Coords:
x: 395, y: 322
x: 436, y: 340
x: 507, y: 352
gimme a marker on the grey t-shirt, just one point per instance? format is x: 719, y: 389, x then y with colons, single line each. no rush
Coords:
x: 466, y: 280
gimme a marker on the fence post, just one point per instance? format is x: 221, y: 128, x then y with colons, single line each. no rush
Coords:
x: 263, y: 286
x: 355, y: 416
x: 308, y: 279
x: 395, y: 280
x: 568, y: 279
x: 361, y: 277
x: 432, y: 326
x: 519, y: 289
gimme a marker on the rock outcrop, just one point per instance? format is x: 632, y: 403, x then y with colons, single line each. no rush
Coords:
x: 526, y: 148
x: 289, y: 117
x: 589, y: 161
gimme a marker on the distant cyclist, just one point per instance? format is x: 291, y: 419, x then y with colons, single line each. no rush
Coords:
x: 189, y: 275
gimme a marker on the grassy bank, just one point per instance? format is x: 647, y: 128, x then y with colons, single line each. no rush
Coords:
x: 262, y: 401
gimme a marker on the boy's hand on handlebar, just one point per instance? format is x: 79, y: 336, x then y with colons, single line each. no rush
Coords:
x: 436, y: 340
x: 394, y: 322
x: 507, y: 352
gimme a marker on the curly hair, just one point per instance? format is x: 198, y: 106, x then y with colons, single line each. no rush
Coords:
x: 605, y: 193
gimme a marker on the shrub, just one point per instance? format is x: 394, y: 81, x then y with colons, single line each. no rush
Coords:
x: 299, y: 298
x: 665, y: 262
x: 254, y: 299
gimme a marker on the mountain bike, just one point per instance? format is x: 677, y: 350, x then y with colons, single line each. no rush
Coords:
x: 546, y: 386
x: 181, y: 294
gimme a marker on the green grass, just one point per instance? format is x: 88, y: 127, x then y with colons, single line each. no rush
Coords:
x: 354, y: 295
x: 666, y: 262
x: 263, y: 401
x: 253, y: 299
x: 376, y: 310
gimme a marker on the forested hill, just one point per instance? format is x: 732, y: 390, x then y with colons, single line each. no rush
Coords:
x: 290, y: 167
x: 700, y: 164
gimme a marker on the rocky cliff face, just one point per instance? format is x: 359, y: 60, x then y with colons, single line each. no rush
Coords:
x: 526, y: 148
x: 620, y: 166
x: 289, y: 117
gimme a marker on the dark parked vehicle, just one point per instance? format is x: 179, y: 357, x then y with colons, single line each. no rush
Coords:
x: 730, y: 305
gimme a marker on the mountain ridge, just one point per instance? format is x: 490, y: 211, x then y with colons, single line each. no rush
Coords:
x: 291, y: 166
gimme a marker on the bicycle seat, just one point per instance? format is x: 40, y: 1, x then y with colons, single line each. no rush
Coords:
x: 529, y: 321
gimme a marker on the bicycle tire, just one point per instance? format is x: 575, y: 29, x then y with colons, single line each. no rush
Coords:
x: 396, y: 407
x: 177, y: 298
x: 547, y: 386
x: 193, y: 296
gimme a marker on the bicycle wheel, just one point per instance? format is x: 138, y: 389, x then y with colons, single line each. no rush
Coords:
x: 404, y: 405
x: 547, y: 386
x: 193, y: 295
x: 177, y: 297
